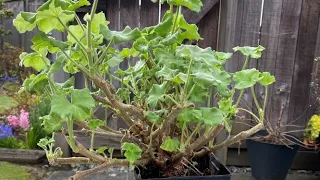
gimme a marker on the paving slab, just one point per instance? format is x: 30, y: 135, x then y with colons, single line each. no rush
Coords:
x: 104, y: 175
x: 125, y: 175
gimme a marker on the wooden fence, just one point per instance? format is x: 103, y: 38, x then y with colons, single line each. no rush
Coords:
x: 288, y: 29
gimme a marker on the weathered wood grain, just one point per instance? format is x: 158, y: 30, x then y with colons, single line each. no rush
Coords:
x: 113, y: 16
x: 247, y: 32
x: 269, y: 38
x: 286, y: 51
x: 308, y: 30
x: 193, y: 17
x: 99, y: 141
x: 21, y: 155
x: 208, y: 28
x: 149, y: 13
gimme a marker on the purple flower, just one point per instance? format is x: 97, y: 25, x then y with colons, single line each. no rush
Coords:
x: 8, y: 78
x: 5, y: 131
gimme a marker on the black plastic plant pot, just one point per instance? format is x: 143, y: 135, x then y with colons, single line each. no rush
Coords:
x: 270, y: 161
x: 209, y: 165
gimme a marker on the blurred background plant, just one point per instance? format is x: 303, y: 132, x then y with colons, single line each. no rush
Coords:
x: 20, y: 111
x: 36, y: 131
x: 5, y: 13
x: 312, y: 132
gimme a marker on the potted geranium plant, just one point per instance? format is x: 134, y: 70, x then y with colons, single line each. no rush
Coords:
x: 277, y: 145
x: 158, y: 95
x: 311, y: 136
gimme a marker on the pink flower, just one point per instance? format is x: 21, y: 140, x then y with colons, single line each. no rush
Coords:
x: 24, y: 120
x: 14, y: 121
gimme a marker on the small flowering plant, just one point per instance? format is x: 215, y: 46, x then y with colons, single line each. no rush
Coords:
x: 312, y: 133
x: 5, y: 131
x: 20, y: 122
x: 13, y: 134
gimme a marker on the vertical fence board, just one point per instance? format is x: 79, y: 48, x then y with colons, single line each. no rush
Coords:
x: 283, y: 70
x: 299, y: 98
x: 269, y: 39
x: 129, y: 16
x: 164, y: 8
x: 15, y: 38
x: 246, y: 34
x: 208, y: 28
x: 113, y: 16
x: 149, y: 13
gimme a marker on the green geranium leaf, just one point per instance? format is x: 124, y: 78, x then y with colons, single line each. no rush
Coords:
x: 166, y: 73
x: 156, y: 94
x: 141, y: 45
x: 51, y: 13
x: 189, y: 114
x: 132, y: 152
x: 267, y: 79
x: 246, y: 78
x: 226, y: 106
x: 78, y: 109
x: 171, y: 39
x: 165, y: 26
x: 221, y: 56
x: 41, y: 43
x: 198, y: 54
x: 77, y: 32
x: 51, y: 123
x: 115, y: 60
x: 190, y: 31
x: 77, y: 4
x: 95, y: 123
x: 39, y: 82
x: 170, y: 144
x: 102, y: 149
x: 199, y: 94
x: 6, y: 103
x: 56, y: 66
x: 220, y: 79
x: 34, y: 60
x: 152, y: 117
x: 35, y: 82
x: 212, y: 116
x: 126, y: 35
x: 179, y: 78
x: 99, y: 19
x: 25, y: 21
x: 254, y: 52
x: 139, y: 65
x: 126, y: 52
x: 166, y: 58
x: 68, y: 83
x: 193, y: 5
x: 123, y: 93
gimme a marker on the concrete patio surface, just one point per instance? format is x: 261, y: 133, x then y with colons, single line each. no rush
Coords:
x: 123, y: 175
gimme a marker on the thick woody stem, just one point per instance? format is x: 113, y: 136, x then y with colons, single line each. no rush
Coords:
x: 241, y: 136
x: 84, y: 125
x: 106, y: 164
x: 85, y: 152
x: 167, y: 125
x: 106, y: 88
x: 199, y: 143
x: 72, y: 160
x: 131, y: 109
x: 196, y: 145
